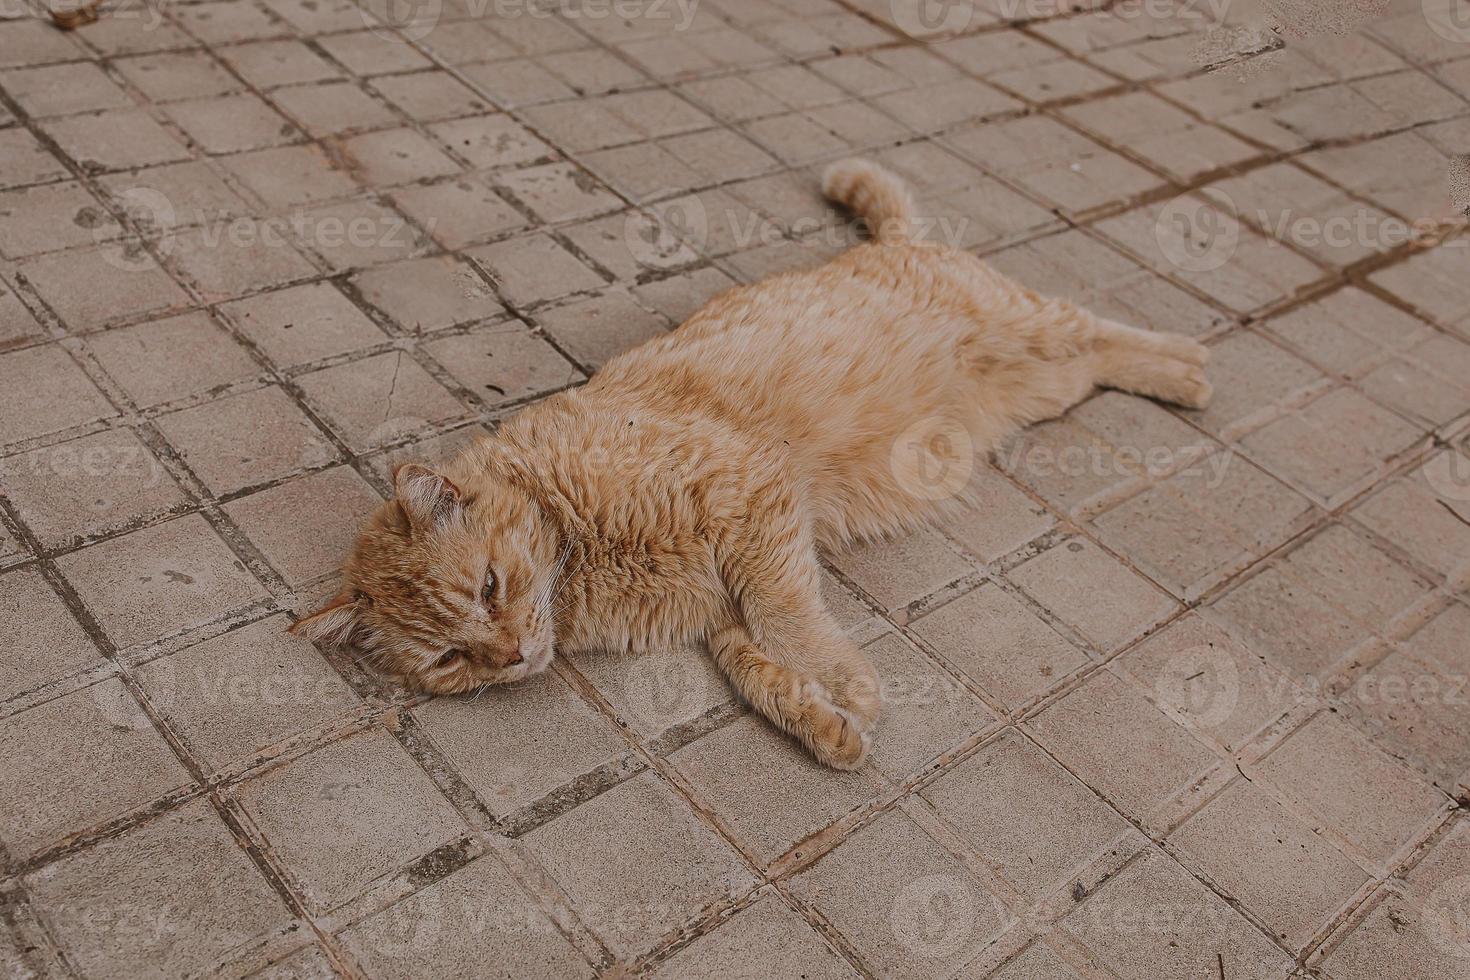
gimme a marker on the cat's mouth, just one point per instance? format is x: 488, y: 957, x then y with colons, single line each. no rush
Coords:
x: 537, y: 659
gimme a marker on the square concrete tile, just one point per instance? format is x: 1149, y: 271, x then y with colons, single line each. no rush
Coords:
x: 160, y: 580
x: 333, y: 108
x: 68, y: 398
x: 170, y: 76
x: 426, y: 294
x: 668, y: 867
x: 54, y: 787
x: 383, y: 810
x: 1168, y: 136
x: 1001, y: 644
x: 534, y: 268
x: 1033, y: 821
x: 368, y: 53
x: 232, y: 123
x: 174, y: 195
x: 515, y: 744
x: 1155, y: 921
x: 225, y: 261
x: 395, y: 156
x: 458, y: 926
x: 1114, y: 740
x: 899, y: 572
x: 1093, y: 593
x: 303, y: 323
x: 48, y: 217
x: 1334, y: 445
x: 1242, y: 832
x: 766, y: 788
x: 1001, y: 520
x: 73, y: 490
x: 1198, y: 241
x: 17, y: 324
x: 1047, y: 158
x: 490, y: 141
x: 46, y: 641
x: 1403, y: 934
x: 306, y: 527
x: 120, y: 907
x: 431, y: 95
x: 1163, y: 533
x: 144, y: 360
x: 245, y: 440
x: 115, y: 139
x: 1067, y: 465
x: 910, y: 907
x: 1210, y: 682
x: 379, y: 399
x: 1335, y: 773
x: 1348, y: 569
x: 24, y: 160
x: 458, y: 212
x: 1281, y: 616
x: 283, y: 176
x: 31, y: 41
x: 270, y: 64
x: 767, y: 939
x: 596, y: 330
x: 926, y: 712
x: 224, y: 20
x: 358, y: 234
x: 503, y: 362
x: 658, y: 690
x: 238, y: 693
x: 60, y: 90
x: 557, y: 192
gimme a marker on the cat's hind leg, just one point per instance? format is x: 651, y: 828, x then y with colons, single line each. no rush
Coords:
x: 1164, y: 366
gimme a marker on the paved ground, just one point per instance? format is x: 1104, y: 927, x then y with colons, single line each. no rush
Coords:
x: 1186, y: 698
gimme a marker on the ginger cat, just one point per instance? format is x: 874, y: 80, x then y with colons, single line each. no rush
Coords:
x: 685, y: 491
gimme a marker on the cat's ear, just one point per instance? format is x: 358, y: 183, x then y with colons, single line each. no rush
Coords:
x: 428, y: 499
x: 332, y: 624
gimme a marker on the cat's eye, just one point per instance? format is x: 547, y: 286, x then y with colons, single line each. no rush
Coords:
x: 449, y: 657
x: 487, y: 591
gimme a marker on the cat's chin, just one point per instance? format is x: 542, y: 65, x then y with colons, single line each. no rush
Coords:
x: 535, y: 663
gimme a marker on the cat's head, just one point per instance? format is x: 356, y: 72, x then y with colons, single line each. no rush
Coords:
x: 447, y: 590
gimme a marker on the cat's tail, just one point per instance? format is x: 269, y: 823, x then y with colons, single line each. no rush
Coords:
x: 876, y: 195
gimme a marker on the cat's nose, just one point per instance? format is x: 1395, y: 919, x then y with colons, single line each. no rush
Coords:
x: 512, y: 657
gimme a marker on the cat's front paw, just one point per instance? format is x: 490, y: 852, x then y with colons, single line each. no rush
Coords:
x: 834, y: 735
